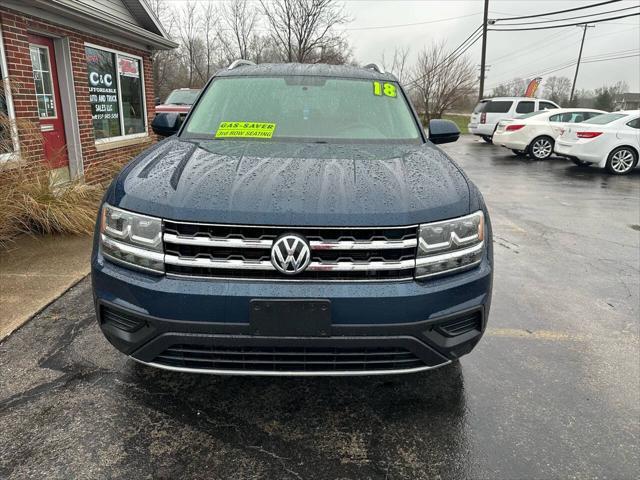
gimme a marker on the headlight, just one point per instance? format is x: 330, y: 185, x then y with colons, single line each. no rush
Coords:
x: 131, y: 238
x: 450, y: 245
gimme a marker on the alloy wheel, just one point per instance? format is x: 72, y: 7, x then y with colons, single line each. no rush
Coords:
x: 541, y: 148
x: 622, y: 161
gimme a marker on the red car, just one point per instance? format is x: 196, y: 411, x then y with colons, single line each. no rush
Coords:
x: 179, y: 101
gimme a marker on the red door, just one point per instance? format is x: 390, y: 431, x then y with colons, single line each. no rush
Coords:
x: 45, y: 77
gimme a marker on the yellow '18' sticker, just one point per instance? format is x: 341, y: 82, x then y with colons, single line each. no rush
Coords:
x: 386, y: 89
x: 245, y: 130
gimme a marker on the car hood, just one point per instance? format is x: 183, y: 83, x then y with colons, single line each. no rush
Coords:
x: 246, y: 182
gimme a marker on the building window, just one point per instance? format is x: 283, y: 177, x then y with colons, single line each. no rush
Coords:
x: 116, y: 94
x: 8, y: 132
x: 6, y: 142
x: 43, y: 80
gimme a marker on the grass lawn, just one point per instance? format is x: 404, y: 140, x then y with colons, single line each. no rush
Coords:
x: 460, y: 120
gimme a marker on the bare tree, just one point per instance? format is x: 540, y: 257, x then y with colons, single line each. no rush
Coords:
x: 209, y: 25
x: 240, y: 19
x: 515, y: 88
x: 302, y: 29
x: 190, y: 43
x: 164, y: 61
x: 398, y: 63
x: 557, y: 89
x: 440, y: 80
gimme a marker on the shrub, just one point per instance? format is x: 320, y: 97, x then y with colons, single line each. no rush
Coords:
x: 33, y: 202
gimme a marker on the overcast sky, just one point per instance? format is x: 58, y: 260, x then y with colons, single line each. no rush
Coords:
x: 509, y: 54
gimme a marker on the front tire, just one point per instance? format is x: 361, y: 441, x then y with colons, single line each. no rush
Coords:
x: 541, y: 148
x: 622, y: 160
x: 487, y: 138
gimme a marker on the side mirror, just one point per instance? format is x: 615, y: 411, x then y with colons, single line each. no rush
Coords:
x: 443, y: 131
x: 166, y: 124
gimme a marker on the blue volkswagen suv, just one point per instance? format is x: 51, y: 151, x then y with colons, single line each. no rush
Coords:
x: 298, y: 222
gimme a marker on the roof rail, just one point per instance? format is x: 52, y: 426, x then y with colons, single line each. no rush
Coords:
x: 239, y: 63
x: 374, y: 66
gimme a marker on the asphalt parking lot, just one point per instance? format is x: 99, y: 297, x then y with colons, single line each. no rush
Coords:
x: 552, y: 391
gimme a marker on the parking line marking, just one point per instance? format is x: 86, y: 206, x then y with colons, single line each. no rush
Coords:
x: 556, y: 336
x: 537, y: 334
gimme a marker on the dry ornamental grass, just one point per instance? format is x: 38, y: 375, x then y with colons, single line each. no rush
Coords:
x: 32, y: 202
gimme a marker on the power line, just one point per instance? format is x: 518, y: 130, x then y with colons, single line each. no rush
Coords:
x: 557, y: 11
x: 621, y: 52
x: 447, y: 60
x: 454, y: 55
x: 561, y: 26
x: 413, y: 24
x: 573, y: 18
x: 535, y: 45
x: 564, y: 66
x: 611, y: 58
x: 552, y: 39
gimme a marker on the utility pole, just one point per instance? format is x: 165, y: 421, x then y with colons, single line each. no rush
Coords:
x: 575, y: 77
x: 484, y: 48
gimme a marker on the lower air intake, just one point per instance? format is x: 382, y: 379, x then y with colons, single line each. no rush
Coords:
x: 120, y: 320
x: 288, y: 359
x: 461, y: 325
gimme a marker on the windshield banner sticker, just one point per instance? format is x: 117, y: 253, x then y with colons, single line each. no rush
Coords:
x: 386, y: 89
x: 245, y: 130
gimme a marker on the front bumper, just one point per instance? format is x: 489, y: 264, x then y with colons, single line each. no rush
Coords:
x: 376, y: 328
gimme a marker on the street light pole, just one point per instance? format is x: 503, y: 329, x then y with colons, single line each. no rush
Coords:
x: 575, y: 77
x: 484, y: 48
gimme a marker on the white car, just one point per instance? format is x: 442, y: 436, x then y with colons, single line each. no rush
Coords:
x: 490, y: 111
x: 610, y: 141
x: 536, y: 133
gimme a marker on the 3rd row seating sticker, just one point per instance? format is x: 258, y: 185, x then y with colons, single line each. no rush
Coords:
x: 245, y: 130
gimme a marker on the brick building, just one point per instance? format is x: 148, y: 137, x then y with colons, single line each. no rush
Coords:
x: 77, y: 80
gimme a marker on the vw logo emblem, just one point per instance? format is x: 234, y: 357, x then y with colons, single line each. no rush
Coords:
x: 290, y: 254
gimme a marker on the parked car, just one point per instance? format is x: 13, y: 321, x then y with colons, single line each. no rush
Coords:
x: 490, y: 111
x: 610, y: 141
x: 535, y: 133
x: 300, y: 222
x: 179, y: 101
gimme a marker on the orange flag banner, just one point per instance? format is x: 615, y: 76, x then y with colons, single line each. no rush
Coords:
x: 533, y: 87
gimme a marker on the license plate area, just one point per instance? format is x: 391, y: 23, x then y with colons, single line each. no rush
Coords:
x: 290, y: 318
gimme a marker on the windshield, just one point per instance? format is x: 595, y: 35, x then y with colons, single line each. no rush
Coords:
x: 480, y: 106
x: 303, y: 108
x: 605, y: 118
x: 182, y: 97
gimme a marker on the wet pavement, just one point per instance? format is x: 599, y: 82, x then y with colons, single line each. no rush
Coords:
x: 552, y: 390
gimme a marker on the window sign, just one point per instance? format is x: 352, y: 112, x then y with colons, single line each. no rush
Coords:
x: 115, y: 94
x: 128, y: 67
x: 103, y: 93
x: 131, y: 86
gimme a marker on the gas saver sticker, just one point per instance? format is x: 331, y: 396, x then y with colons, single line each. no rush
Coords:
x: 245, y: 130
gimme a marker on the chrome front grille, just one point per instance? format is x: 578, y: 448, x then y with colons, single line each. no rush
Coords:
x: 231, y: 251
